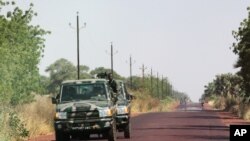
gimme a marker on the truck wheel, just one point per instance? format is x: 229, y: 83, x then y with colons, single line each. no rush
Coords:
x: 112, y: 132
x: 61, y: 136
x: 127, y: 131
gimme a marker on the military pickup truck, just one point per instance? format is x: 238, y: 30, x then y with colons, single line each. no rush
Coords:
x: 123, y: 110
x: 85, y: 107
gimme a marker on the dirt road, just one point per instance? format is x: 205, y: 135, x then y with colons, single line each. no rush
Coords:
x: 185, y: 124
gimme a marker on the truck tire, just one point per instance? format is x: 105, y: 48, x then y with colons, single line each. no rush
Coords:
x: 112, y: 136
x: 127, y: 130
x: 61, y: 136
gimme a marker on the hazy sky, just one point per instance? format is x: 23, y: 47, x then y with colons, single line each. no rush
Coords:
x: 185, y: 40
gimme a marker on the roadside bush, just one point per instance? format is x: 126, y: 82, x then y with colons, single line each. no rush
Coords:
x: 13, y: 128
x: 17, y: 127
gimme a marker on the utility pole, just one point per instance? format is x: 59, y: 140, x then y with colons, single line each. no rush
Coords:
x: 112, y: 55
x: 111, y: 58
x: 130, y: 70
x: 157, y: 84
x: 172, y: 91
x: 77, y: 40
x: 167, y: 87
x: 78, y: 58
x: 151, y: 80
x: 162, y: 87
x: 143, y: 70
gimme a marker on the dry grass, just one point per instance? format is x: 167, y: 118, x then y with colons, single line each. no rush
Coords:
x: 220, y: 103
x: 168, y: 105
x: 233, y: 105
x: 245, y: 111
x: 146, y: 103
x: 38, y: 115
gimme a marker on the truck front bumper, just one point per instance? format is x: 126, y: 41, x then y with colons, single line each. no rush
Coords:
x: 83, y: 125
x: 122, y: 121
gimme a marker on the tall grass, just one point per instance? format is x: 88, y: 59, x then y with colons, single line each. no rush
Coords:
x: 232, y: 104
x: 144, y: 102
x: 38, y: 115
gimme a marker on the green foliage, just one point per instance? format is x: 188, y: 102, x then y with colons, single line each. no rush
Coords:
x: 12, y: 127
x: 224, y: 85
x: 17, y: 126
x: 21, y: 46
x: 84, y: 72
x: 43, y: 85
x: 59, y: 71
x: 158, y: 88
x: 62, y: 70
x: 242, y: 48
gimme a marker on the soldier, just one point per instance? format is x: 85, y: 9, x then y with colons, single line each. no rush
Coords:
x: 112, y: 83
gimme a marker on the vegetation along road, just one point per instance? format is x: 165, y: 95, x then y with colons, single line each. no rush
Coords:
x: 35, y: 61
x: 190, y: 124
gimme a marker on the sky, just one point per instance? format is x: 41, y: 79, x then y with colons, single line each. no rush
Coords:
x: 186, y: 41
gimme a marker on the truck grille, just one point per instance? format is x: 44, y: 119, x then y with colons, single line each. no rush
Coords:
x: 83, y: 115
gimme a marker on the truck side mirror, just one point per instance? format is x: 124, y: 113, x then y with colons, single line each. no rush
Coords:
x: 54, y: 100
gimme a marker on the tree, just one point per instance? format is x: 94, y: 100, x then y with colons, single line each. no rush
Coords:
x: 242, y: 48
x: 21, y: 47
x: 43, y: 85
x: 84, y: 72
x: 59, y: 71
x: 224, y: 85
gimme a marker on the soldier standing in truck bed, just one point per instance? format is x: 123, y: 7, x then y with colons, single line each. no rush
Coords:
x: 112, y: 83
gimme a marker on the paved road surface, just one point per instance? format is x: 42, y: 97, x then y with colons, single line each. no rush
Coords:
x: 185, y: 124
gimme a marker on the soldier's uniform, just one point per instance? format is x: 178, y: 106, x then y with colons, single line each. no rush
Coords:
x: 113, y: 85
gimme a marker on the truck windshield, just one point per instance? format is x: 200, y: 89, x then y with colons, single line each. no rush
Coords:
x: 87, y: 91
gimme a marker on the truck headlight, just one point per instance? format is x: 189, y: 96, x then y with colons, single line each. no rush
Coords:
x: 105, y: 112
x: 122, y: 110
x: 61, y: 115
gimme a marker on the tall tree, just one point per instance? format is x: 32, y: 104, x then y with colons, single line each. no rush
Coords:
x: 84, y: 72
x: 59, y: 71
x: 21, y: 47
x: 242, y: 48
x: 63, y: 69
x: 224, y: 85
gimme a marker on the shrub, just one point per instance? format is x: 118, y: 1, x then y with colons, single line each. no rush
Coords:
x: 17, y: 127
